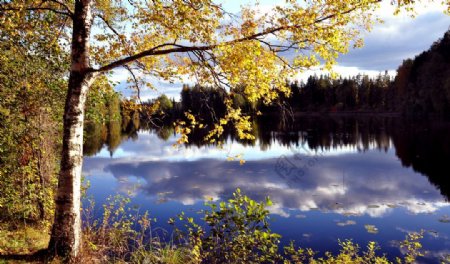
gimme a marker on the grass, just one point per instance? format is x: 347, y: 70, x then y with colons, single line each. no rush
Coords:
x: 22, y: 239
x: 163, y: 254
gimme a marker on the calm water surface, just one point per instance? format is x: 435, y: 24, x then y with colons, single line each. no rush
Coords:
x: 329, y: 179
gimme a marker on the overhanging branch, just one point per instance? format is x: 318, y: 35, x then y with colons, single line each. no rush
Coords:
x: 175, y: 48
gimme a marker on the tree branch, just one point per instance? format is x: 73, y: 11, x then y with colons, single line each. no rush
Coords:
x: 63, y: 5
x: 136, y: 82
x: 109, y: 25
x: 151, y: 52
x: 38, y: 9
x: 155, y: 51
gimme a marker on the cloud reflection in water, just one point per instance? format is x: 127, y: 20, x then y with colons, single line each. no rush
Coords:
x: 371, y: 183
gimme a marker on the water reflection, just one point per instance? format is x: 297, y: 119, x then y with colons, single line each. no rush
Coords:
x: 423, y: 146
x: 350, y: 184
x: 363, y: 178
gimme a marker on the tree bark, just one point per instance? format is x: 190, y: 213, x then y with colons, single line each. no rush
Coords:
x: 65, y: 238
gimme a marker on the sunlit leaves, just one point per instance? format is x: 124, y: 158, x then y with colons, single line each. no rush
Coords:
x: 240, y: 122
x: 238, y: 231
x: 259, y: 70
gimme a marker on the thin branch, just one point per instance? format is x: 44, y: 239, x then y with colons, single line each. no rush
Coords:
x: 109, y: 26
x: 280, y: 48
x: 119, y: 36
x: 215, y: 75
x: 38, y: 9
x: 60, y: 32
x: 136, y: 82
x: 63, y: 5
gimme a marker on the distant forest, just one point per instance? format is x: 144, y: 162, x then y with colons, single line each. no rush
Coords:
x: 420, y: 88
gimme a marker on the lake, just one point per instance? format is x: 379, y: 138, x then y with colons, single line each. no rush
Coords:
x: 337, y: 177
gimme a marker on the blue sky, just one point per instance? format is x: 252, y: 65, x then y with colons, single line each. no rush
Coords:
x: 386, y: 46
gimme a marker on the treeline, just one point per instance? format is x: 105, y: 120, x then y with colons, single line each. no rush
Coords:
x: 421, y: 87
x: 317, y: 94
x: 359, y: 93
x: 423, y: 84
x: 206, y: 103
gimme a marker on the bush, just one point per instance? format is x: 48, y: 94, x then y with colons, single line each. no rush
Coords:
x: 237, y: 232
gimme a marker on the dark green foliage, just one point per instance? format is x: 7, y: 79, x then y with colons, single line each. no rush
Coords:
x: 423, y: 84
x: 323, y: 94
x: 207, y: 103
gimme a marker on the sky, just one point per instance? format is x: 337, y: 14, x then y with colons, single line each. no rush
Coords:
x: 386, y: 46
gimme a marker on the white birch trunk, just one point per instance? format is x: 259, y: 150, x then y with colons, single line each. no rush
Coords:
x: 66, y: 232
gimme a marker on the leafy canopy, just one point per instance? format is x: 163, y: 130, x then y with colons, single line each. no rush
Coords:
x: 172, y: 39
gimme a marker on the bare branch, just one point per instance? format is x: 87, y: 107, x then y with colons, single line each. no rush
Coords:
x: 63, y: 5
x: 136, y: 82
x: 109, y: 25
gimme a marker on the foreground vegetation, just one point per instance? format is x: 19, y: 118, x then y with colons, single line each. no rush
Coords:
x: 238, y: 231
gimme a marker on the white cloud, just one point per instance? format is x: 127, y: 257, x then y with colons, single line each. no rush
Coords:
x: 398, y: 38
